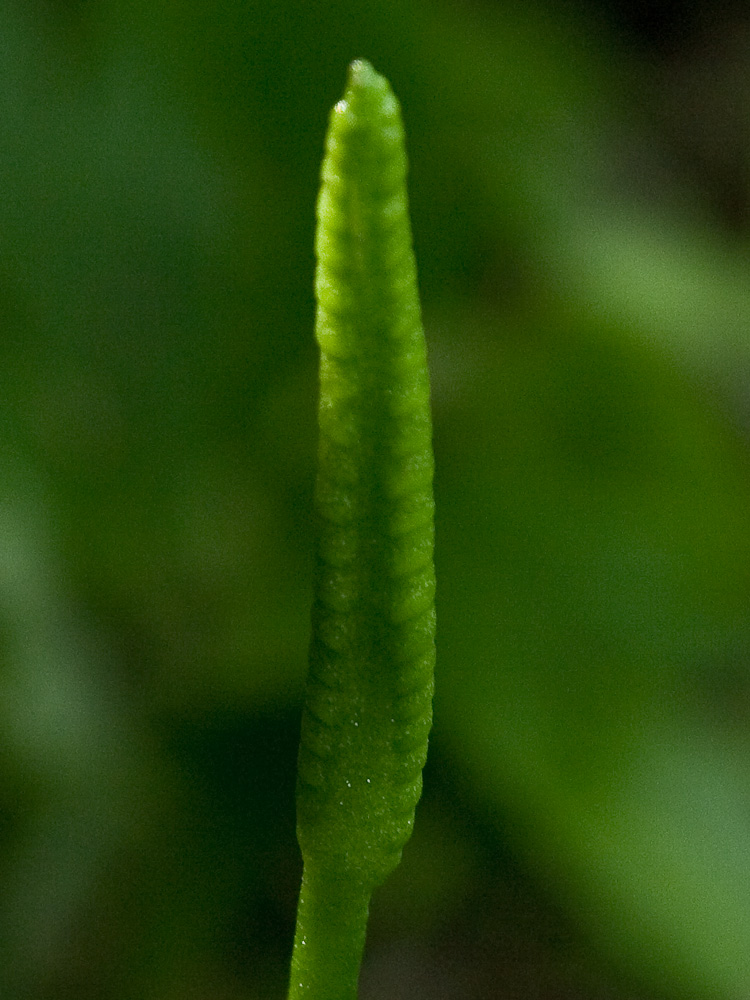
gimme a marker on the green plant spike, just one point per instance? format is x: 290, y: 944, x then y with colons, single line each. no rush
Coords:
x: 368, y: 706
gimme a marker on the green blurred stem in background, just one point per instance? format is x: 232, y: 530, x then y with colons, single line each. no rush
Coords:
x: 368, y: 707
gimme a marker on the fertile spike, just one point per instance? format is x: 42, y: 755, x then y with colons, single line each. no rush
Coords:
x: 368, y: 707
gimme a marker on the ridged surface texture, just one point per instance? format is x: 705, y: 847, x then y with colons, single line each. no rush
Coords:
x: 369, y: 696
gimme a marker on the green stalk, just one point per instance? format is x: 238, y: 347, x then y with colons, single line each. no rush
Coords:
x: 368, y: 707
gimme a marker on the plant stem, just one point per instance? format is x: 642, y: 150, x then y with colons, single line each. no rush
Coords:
x: 330, y: 938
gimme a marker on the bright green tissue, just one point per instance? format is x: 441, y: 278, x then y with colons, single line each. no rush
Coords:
x: 368, y: 708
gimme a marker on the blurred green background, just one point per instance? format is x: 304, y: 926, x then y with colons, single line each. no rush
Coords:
x: 580, y: 185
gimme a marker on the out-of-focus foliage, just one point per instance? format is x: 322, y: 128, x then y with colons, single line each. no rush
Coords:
x: 586, y: 821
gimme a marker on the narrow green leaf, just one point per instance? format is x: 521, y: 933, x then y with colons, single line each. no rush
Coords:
x: 369, y: 696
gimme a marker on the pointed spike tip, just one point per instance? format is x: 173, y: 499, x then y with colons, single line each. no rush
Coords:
x: 362, y: 74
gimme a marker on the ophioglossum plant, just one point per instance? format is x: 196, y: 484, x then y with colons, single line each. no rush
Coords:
x: 368, y: 706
